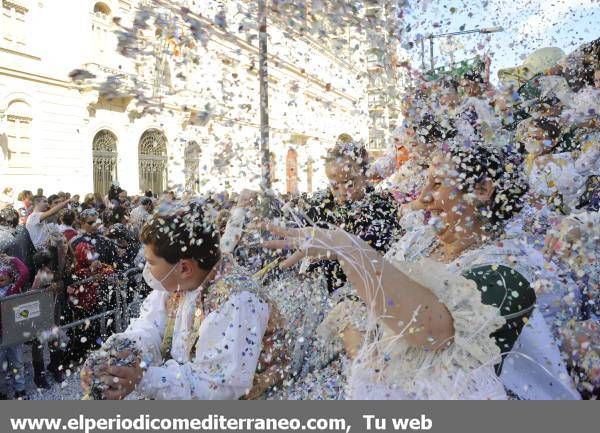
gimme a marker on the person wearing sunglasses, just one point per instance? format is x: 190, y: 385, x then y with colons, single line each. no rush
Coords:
x: 106, y: 248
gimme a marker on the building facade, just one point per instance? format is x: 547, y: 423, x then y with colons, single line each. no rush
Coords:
x: 93, y: 92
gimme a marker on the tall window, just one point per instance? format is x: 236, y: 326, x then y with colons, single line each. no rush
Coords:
x: 102, y: 31
x: 153, y: 161
x: 19, y: 122
x: 291, y: 168
x: 14, y: 23
x: 191, y: 166
x: 104, y: 148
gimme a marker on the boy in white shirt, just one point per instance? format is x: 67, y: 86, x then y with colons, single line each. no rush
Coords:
x: 201, y: 329
x: 38, y: 224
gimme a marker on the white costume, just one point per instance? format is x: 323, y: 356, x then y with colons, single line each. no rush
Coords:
x: 533, y: 370
x: 219, y: 365
x: 391, y: 369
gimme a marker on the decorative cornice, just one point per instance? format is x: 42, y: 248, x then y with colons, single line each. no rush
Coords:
x: 19, y: 53
x: 35, y: 77
x: 11, y: 4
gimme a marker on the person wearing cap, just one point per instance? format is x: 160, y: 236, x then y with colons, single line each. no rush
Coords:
x: 543, y: 60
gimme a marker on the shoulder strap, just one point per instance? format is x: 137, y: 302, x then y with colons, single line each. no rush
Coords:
x: 172, y: 306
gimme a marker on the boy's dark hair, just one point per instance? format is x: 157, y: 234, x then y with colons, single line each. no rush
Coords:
x: 148, y: 194
x: 183, y: 234
x: 146, y: 201
x: 67, y: 216
x: 475, y: 76
x: 476, y: 162
x: 52, y: 198
x: 114, y: 215
x: 551, y: 127
x: 43, y: 258
x: 346, y: 149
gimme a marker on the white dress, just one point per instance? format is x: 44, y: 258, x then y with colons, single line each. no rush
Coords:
x: 533, y: 370
x: 391, y: 369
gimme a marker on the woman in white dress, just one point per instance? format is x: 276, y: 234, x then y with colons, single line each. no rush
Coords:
x: 436, y: 328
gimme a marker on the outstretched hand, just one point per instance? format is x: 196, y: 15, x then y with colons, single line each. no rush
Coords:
x: 308, y: 242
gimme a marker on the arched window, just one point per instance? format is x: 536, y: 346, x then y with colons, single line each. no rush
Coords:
x: 104, y: 148
x: 104, y: 38
x: 18, y: 134
x: 291, y: 168
x: 153, y: 161
x: 192, y: 166
x: 102, y: 9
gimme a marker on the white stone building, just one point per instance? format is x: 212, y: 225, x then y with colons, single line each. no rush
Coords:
x: 175, y: 116
x: 79, y: 135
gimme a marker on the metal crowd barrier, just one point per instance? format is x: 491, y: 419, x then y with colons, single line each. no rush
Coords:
x: 26, y: 315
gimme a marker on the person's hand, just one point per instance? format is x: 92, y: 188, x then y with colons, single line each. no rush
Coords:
x: 95, y: 265
x: 85, y: 378
x: 121, y: 381
x: 309, y: 242
x: 247, y: 198
x: 55, y: 287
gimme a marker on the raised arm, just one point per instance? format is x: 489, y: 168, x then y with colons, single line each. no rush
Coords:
x: 401, y: 303
x: 54, y: 210
x: 235, y: 223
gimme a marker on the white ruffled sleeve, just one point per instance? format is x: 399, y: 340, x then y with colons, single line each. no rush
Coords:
x: 463, y: 370
x: 473, y: 321
x: 227, y: 351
